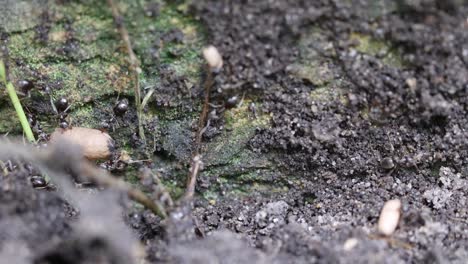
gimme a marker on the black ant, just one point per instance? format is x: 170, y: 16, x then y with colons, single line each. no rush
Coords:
x: 63, y: 106
x: 119, y: 110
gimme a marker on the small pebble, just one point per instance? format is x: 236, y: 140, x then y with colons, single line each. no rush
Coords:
x: 412, y: 83
x: 387, y: 163
x: 389, y: 217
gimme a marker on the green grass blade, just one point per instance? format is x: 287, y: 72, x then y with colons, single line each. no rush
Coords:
x: 17, y: 104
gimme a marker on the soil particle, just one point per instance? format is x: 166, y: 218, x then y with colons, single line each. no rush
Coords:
x: 437, y: 197
x: 273, y: 213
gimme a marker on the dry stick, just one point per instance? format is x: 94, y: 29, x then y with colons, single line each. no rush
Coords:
x: 192, y: 179
x: 196, y: 158
x: 106, y: 179
x: 134, y: 64
x: 162, y: 188
x: 204, y: 112
x: 81, y: 167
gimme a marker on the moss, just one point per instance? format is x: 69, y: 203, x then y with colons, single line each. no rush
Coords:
x: 315, y: 68
x: 147, y: 33
x: 83, y: 116
x: 375, y: 47
x: 240, y: 127
x: 167, y: 114
x: 325, y: 93
x: 21, y: 46
x: 20, y: 15
x: 211, y: 196
x: 131, y: 175
x: 228, y: 158
x: 9, y: 121
x: 311, y: 66
x: 83, y: 60
x: 174, y: 188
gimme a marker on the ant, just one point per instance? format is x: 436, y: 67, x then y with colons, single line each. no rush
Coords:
x: 63, y: 106
x: 119, y: 110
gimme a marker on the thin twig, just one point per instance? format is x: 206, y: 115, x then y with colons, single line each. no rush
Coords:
x: 166, y: 196
x: 16, y: 103
x: 196, y: 157
x: 104, y: 178
x: 147, y: 97
x: 192, y: 179
x: 63, y: 156
x: 204, y: 113
x: 75, y: 164
x: 134, y: 64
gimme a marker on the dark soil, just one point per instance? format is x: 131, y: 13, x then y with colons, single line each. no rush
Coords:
x: 393, y: 131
